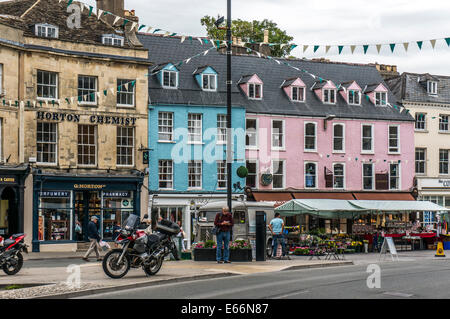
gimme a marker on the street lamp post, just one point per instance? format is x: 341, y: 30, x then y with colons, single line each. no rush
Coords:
x: 229, y: 82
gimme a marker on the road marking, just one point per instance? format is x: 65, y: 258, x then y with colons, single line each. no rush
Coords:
x: 292, y: 294
x: 397, y: 294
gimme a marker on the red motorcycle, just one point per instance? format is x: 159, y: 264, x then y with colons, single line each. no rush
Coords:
x: 11, y: 259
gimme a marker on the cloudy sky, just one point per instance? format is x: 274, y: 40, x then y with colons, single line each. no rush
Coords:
x: 327, y: 22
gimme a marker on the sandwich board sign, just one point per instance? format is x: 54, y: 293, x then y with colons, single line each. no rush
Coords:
x: 388, y: 243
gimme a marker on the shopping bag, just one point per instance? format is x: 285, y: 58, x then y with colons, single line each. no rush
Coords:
x: 104, y: 245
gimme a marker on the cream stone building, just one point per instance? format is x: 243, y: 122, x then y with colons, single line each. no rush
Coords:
x: 427, y: 97
x: 73, y: 117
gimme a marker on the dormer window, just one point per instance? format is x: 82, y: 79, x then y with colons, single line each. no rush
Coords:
x: 170, y: 79
x: 432, y: 87
x: 46, y: 31
x: 329, y: 96
x: 354, y: 97
x: 254, y: 91
x: 298, y: 94
x: 380, y: 98
x: 112, y: 39
x: 209, y: 82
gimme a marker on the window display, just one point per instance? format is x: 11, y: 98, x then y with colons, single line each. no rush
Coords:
x: 55, y: 216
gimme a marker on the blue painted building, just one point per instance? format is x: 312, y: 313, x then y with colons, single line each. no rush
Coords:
x: 187, y: 139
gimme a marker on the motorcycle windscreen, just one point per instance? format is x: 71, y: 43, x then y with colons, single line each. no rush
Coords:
x: 131, y: 222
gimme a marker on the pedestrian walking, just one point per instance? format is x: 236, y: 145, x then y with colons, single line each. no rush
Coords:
x: 94, y: 237
x: 276, y: 228
x: 180, y: 236
x: 224, y: 221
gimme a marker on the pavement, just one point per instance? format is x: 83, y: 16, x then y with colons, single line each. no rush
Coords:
x: 52, y: 272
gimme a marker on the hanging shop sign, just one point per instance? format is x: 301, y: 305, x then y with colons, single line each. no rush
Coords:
x: 77, y: 118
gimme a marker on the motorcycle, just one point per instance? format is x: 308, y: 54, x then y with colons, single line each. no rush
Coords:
x: 139, y: 249
x: 11, y: 259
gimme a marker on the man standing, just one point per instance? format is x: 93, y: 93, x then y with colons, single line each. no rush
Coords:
x: 224, y: 221
x: 94, y: 237
x: 276, y: 228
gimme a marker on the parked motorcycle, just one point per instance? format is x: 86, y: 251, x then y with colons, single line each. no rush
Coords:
x: 140, y: 249
x: 11, y: 259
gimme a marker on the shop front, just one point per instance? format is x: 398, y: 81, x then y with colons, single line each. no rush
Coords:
x: 64, y: 205
x: 12, y: 199
x: 435, y: 190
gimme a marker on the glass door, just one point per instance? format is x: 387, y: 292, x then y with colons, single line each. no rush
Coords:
x: 80, y: 224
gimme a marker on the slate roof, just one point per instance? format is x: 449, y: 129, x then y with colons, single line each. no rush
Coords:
x: 274, y: 101
x: 55, y: 13
x: 289, y: 82
x: 411, y: 87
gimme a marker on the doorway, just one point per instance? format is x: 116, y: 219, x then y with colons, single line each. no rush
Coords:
x: 87, y: 204
x: 9, y: 214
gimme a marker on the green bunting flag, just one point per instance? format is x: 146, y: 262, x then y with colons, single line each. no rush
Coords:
x: 40, y: 103
x: 293, y: 46
x: 392, y: 45
x: 141, y: 27
x: 133, y: 83
x: 90, y: 10
x: 419, y: 44
x: 69, y: 3
x: 340, y: 47
x: 320, y: 80
x: 173, y: 34
x: 316, y: 47
x: 156, y: 30
x: 68, y: 101
x: 80, y: 98
x: 366, y: 47
x: 206, y: 41
x: 125, y: 21
x: 448, y: 41
x: 105, y: 92
x: 218, y: 43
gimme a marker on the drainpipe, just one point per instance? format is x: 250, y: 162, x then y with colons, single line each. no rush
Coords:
x: 20, y: 96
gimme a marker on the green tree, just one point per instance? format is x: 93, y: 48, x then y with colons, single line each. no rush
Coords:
x: 251, y: 31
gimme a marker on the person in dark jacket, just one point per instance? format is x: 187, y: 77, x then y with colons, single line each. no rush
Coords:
x: 224, y: 221
x: 94, y: 237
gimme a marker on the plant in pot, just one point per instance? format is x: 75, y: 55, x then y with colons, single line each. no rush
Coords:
x: 241, y: 250
x: 205, y: 251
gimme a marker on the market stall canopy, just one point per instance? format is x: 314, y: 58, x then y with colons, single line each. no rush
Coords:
x: 398, y: 206
x: 324, y: 208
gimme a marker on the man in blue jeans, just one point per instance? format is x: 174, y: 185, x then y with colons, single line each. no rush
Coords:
x: 224, y: 221
x: 276, y: 228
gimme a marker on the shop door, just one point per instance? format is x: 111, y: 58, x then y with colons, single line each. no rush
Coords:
x: 87, y: 204
x: 9, y: 216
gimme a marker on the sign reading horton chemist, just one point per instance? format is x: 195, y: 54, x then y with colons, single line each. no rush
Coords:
x: 77, y: 118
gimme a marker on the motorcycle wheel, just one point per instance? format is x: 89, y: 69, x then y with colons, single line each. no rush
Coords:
x: 154, y: 266
x: 110, y: 266
x: 13, y: 266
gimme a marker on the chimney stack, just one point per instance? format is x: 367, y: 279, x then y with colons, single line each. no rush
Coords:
x: 266, y: 36
x: 116, y: 7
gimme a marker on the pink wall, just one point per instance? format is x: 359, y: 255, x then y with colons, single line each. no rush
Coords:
x: 295, y: 155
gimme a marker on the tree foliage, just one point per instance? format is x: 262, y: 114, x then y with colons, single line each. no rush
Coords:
x: 251, y: 31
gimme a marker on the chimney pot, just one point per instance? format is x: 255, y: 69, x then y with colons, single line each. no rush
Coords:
x: 266, y: 36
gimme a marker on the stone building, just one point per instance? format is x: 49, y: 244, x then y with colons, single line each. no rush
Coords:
x: 73, y: 108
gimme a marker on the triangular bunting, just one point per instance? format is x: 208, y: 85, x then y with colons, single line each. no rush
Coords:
x: 406, y: 46
x: 378, y: 47
x: 365, y: 47
x: 448, y: 41
x: 316, y: 47
x: 183, y: 38
x: 433, y: 43
x: 352, y: 48
x: 327, y: 48
x: 100, y: 11
x: 116, y: 20
x: 340, y: 47
x: 419, y: 44
x: 392, y: 45
x: 305, y: 47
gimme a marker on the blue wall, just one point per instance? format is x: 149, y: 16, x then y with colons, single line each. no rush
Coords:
x: 184, y: 152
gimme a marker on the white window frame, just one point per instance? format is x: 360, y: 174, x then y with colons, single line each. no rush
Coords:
x: 169, y: 174
x: 316, y: 176
x: 397, y: 177
x: 222, y: 172
x: 221, y: 129
x: 197, y: 174
x: 448, y: 162
x: 254, y: 91
x: 95, y: 144
x: 357, y: 92
x: 315, y: 137
x: 45, y: 27
x: 283, y: 176
x: 379, y: 101
x: 303, y: 97
x: 55, y: 86
x: 163, y: 118
x: 171, y: 74
x: 329, y: 95
x: 56, y: 143
x: 209, y: 77
x: 83, y: 77
x: 398, y: 151
x: 424, y: 121
x: 132, y: 93
x: 372, y: 148
x: 363, y: 176
x: 283, y: 135
x: 424, y: 161
x: 127, y: 146
x: 343, y: 138
x: 113, y: 40
x: 432, y: 87
x: 256, y: 162
x: 256, y: 133
x: 441, y: 123
x: 343, y: 176
x: 195, y: 128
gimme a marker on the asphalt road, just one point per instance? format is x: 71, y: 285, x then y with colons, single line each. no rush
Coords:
x: 401, y: 280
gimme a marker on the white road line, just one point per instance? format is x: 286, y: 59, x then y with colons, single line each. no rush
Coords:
x: 292, y: 294
x: 397, y: 294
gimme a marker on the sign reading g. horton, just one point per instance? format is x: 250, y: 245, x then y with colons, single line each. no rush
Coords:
x: 98, y: 119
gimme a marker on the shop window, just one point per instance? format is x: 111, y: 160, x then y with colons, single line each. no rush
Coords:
x: 87, y: 145
x: 116, y: 207
x: 125, y: 93
x: 55, y: 218
x: 125, y: 146
x: 47, y: 143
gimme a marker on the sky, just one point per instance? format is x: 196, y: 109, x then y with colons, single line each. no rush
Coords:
x: 326, y: 22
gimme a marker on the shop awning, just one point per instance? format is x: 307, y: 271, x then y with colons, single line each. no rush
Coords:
x: 324, y: 208
x: 384, y: 196
x: 323, y: 195
x: 398, y: 206
x: 272, y: 197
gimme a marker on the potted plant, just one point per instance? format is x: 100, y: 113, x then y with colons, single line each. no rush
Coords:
x: 241, y: 250
x: 205, y: 251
